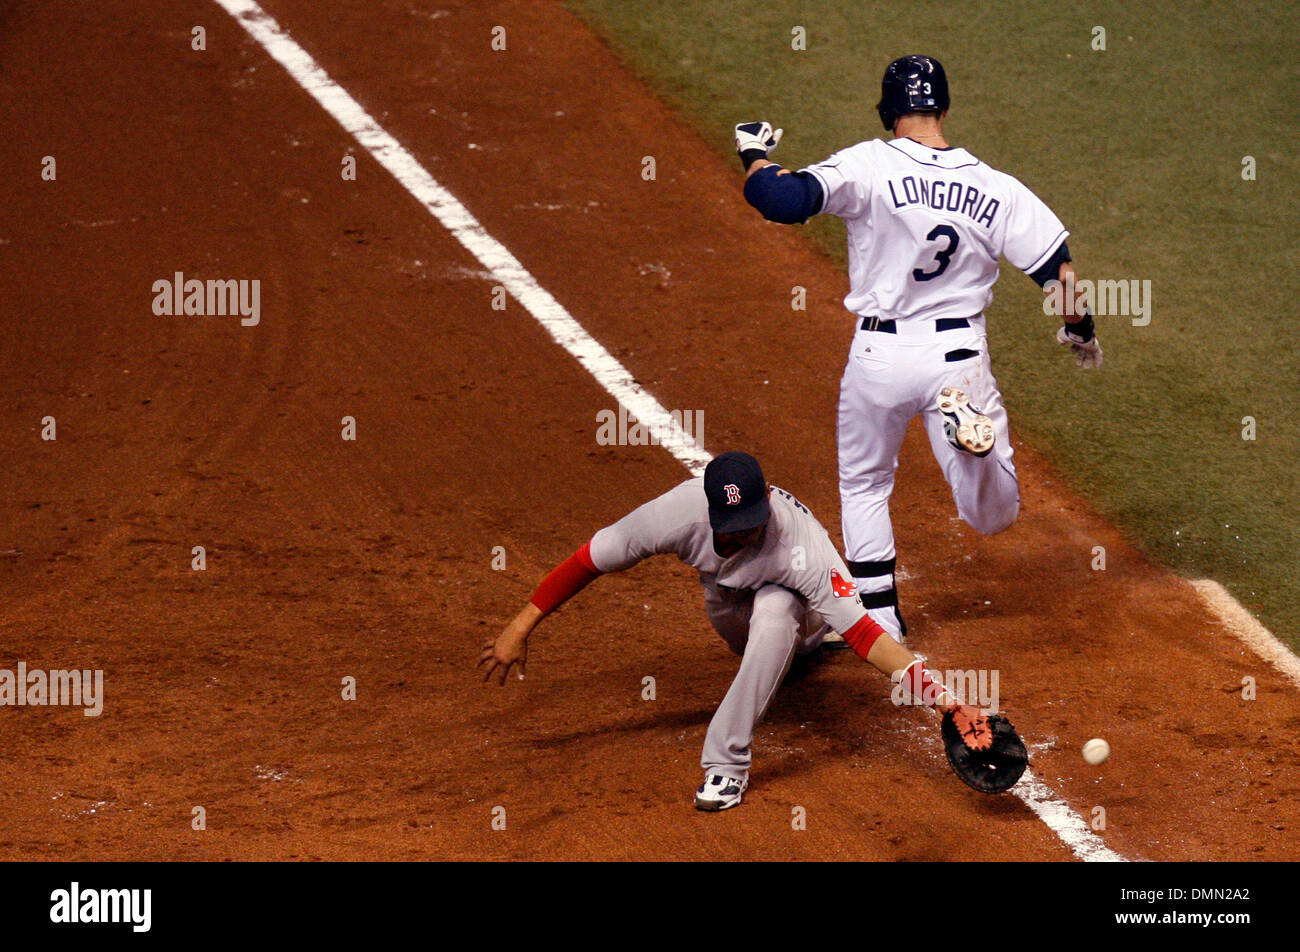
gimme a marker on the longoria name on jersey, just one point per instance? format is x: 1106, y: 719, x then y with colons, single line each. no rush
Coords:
x: 942, y: 195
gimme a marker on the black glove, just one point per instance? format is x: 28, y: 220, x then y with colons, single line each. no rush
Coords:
x: 985, y: 752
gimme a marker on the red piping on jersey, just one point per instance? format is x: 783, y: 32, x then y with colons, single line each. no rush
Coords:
x: 862, y: 636
x: 566, y: 580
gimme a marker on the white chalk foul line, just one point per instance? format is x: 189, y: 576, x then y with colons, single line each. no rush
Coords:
x: 494, y: 256
x: 1248, y: 628
x: 1063, y: 821
x: 567, y: 332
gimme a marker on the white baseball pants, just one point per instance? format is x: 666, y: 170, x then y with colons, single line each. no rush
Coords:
x: 888, y: 380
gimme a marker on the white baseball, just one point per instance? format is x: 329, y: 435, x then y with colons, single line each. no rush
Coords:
x: 1096, y: 751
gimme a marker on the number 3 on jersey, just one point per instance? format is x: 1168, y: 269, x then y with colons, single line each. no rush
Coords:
x: 943, y: 257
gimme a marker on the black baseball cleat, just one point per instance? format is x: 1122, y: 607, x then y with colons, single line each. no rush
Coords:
x: 965, y: 426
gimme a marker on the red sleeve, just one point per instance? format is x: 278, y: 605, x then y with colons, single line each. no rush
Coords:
x: 922, y: 685
x: 566, y: 580
x: 863, y: 635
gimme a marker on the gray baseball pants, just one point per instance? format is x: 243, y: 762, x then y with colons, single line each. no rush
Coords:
x: 767, y: 628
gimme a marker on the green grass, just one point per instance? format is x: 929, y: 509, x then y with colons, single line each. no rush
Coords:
x: 1138, y: 148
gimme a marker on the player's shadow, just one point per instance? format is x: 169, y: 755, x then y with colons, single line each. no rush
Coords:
x: 803, y: 666
x: 681, y: 720
x: 797, y: 687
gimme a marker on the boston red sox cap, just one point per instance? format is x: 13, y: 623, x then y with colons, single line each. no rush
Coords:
x: 737, y: 493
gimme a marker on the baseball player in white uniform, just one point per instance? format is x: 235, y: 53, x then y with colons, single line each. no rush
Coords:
x: 926, y: 225
x: 774, y: 585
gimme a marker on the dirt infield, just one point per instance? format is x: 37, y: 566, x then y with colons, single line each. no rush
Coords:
x: 372, y: 558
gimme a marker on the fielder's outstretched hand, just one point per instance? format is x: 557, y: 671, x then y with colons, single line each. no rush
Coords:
x: 509, y: 648
x: 1087, y: 354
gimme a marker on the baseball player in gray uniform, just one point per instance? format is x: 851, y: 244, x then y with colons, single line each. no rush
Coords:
x: 926, y: 225
x: 774, y: 585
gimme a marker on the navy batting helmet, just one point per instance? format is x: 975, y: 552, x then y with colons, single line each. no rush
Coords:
x: 912, y: 84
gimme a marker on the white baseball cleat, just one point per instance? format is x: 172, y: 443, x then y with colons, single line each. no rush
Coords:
x: 833, y: 641
x: 719, y: 793
x: 965, y: 426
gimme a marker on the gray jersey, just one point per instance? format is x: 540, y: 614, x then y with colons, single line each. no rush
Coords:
x: 796, y: 552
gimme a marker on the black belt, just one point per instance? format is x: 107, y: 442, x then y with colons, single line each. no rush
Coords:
x: 889, y: 327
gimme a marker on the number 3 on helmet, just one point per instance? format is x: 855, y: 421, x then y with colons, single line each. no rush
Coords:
x: 912, y: 84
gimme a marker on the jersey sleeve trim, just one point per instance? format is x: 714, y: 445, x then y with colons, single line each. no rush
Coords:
x: 1051, y: 249
x: 826, y: 189
x: 1050, y: 270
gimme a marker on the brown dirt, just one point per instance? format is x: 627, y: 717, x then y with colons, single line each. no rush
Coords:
x: 372, y: 559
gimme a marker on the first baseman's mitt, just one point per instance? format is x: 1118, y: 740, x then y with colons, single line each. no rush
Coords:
x: 985, y: 752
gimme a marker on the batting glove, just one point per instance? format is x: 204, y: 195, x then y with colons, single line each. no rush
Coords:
x: 754, y: 140
x: 1087, y: 354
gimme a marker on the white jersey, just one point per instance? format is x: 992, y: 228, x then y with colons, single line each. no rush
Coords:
x: 796, y: 552
x: 926, y: 227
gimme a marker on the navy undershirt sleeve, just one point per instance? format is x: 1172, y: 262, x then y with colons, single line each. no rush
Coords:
x: 1050, y: 270
x: 789, y: 199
